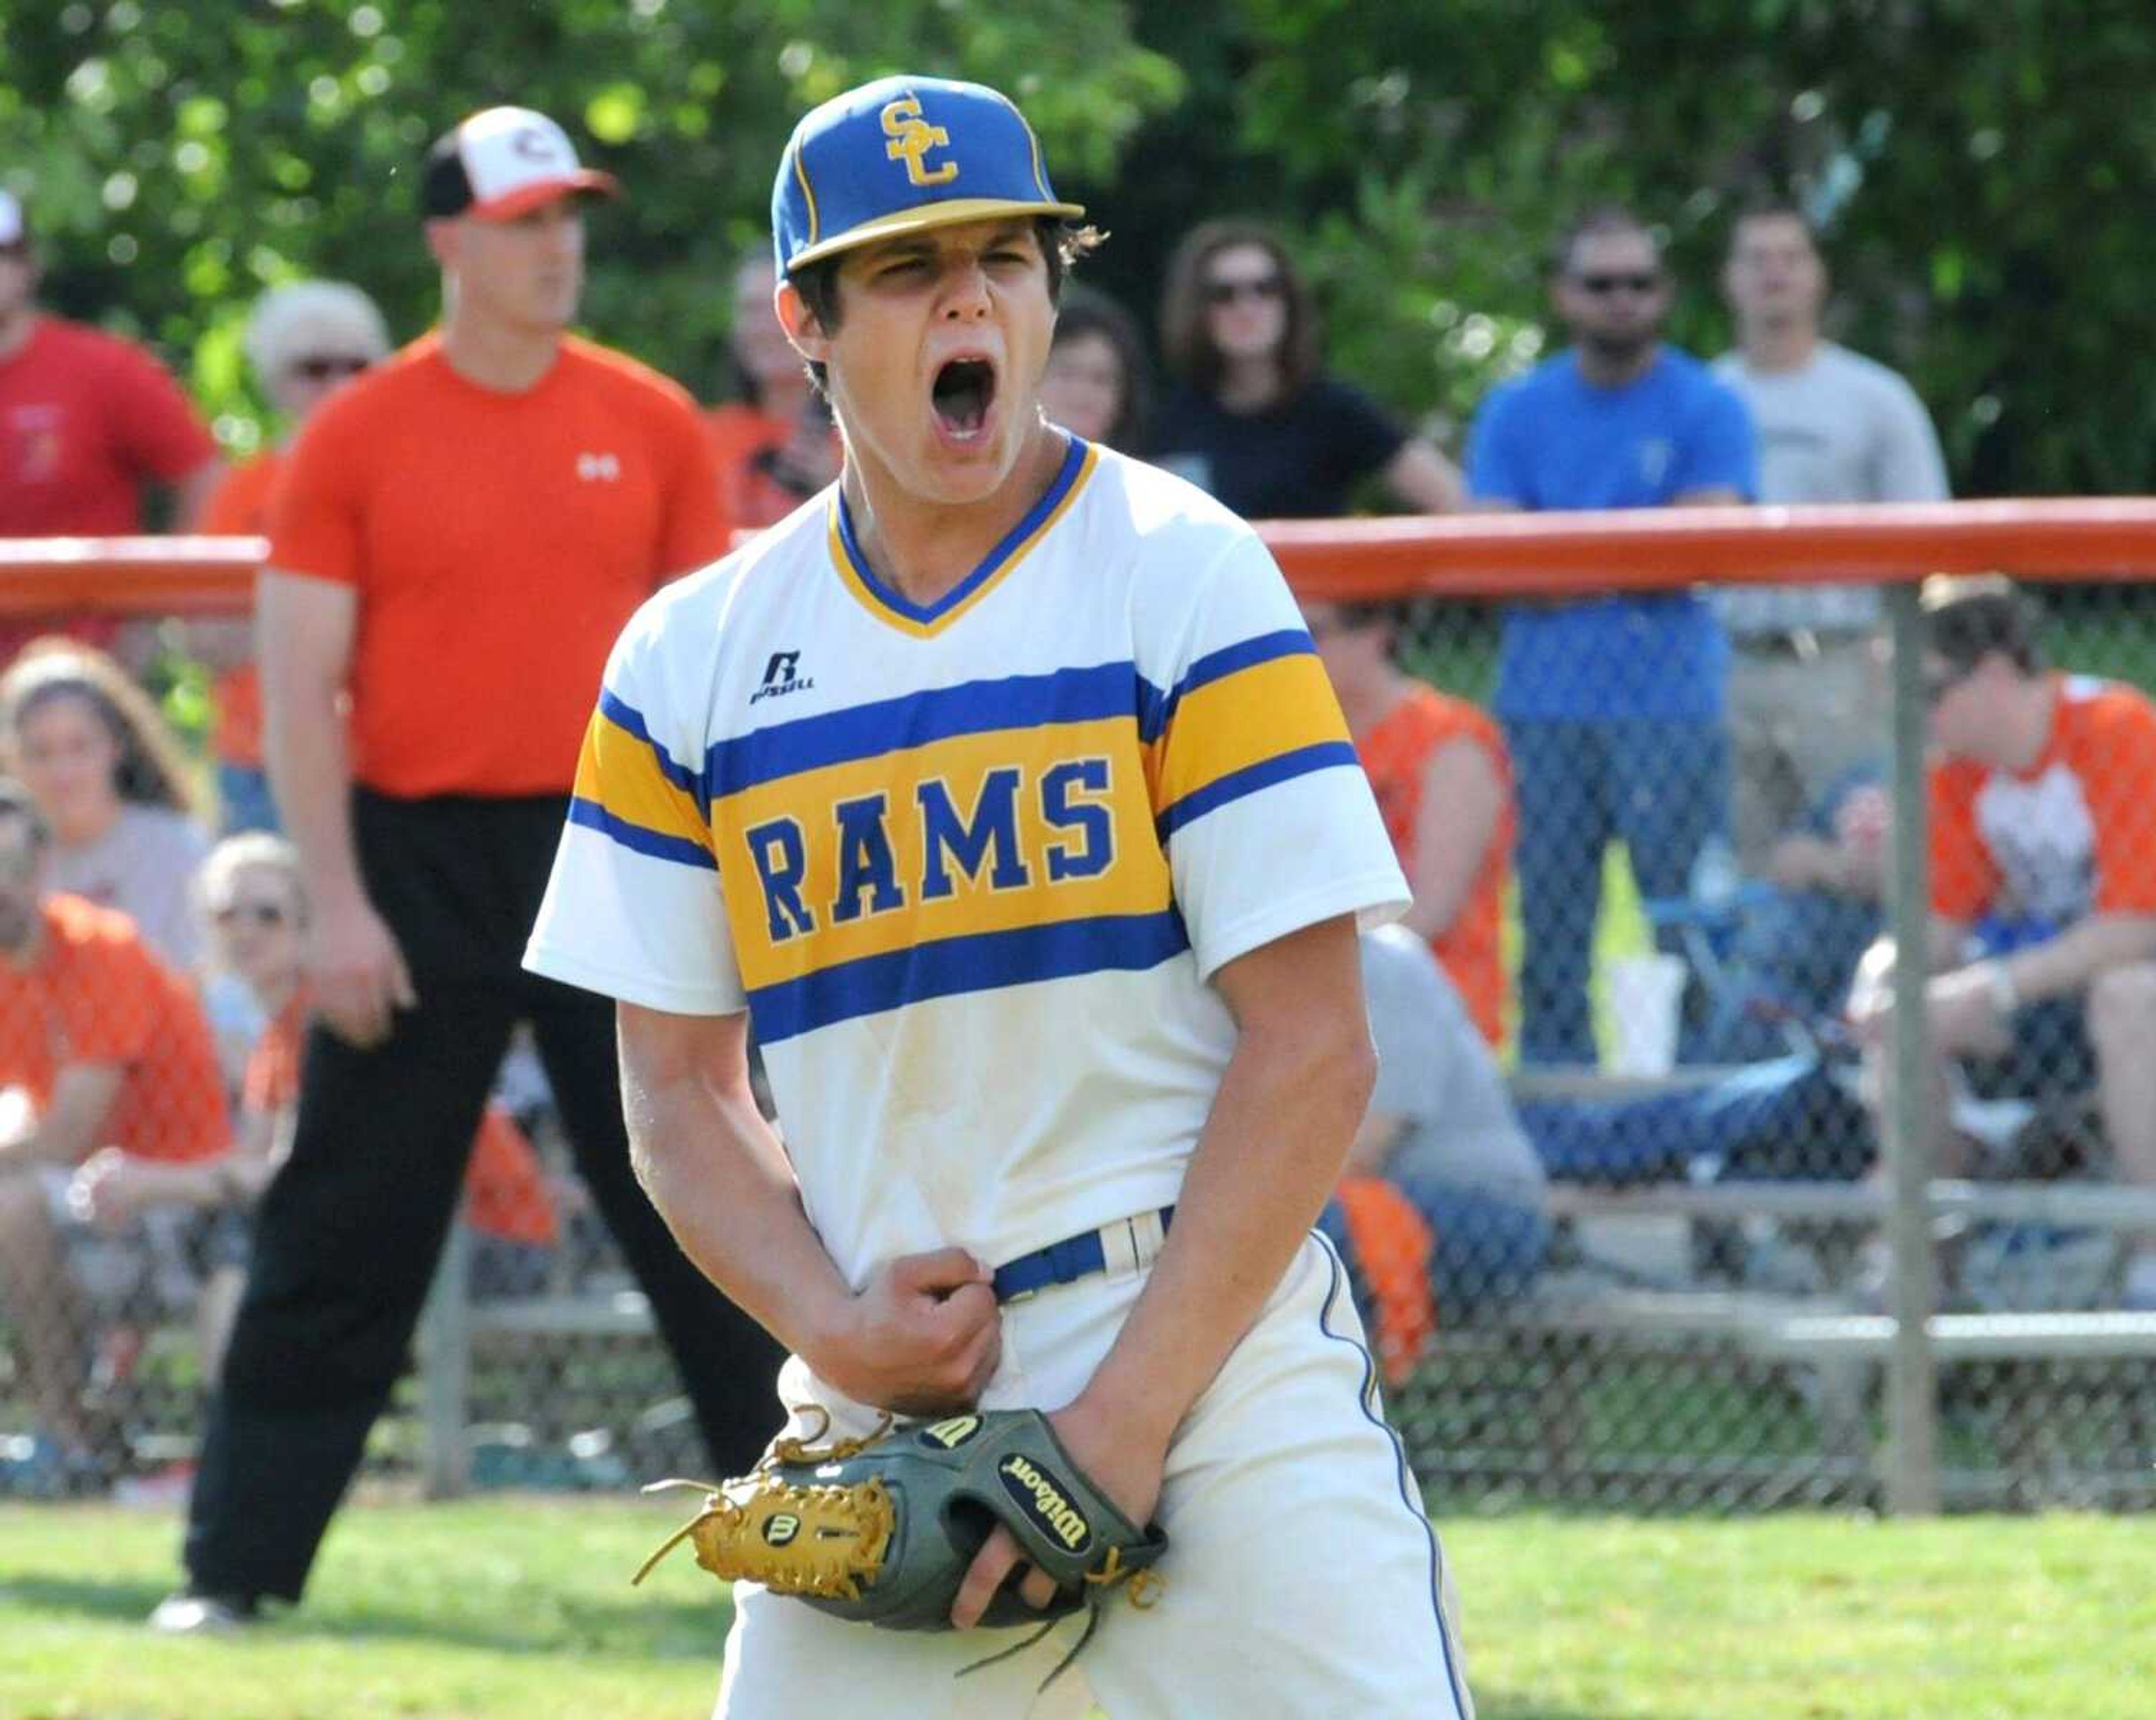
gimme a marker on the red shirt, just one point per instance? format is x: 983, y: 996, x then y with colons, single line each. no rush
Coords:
x: 95, y: 994
x: 86, y: 419
x: 497, y: 544
x: 744, y: 439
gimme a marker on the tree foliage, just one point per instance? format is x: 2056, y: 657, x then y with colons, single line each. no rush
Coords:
x: 1983, y: 169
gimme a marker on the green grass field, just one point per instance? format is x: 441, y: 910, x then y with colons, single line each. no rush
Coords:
x: 521, y: 1609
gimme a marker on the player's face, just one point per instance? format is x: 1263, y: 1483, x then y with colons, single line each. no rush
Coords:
x: 254, y: 920
x: 1960, y: 702
x: 1613, y: 293
x: 935, y: 368
x: 526, y: 273
x: 67, y: 756
x: 1775, y: 274
x: 1246, y: 297
x: 1082, y: 389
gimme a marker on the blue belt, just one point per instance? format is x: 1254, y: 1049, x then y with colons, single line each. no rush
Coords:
x: 1064, y: 1262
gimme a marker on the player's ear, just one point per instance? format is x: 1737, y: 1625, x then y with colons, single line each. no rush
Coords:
x: 442, y: 236
x: 800, y: 321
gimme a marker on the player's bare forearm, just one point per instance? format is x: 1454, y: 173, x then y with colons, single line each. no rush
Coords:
x: 2066, y: 964
x: 716, y: 1172
x: 1272, y: 1149
x: 921, y: 1337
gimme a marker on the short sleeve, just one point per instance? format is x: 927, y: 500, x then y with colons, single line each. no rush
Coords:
x: 1964, y: 877
x: 1364, y: 436
x: 159, y: 428
x: 315, y: 513
x: 1496, y: 469
x: 1721, y: 448
x: 697, y: 530
x: 1910, y: 466
x: 633, y: 909
x: 1258, y: 795
x: 2121, y: 779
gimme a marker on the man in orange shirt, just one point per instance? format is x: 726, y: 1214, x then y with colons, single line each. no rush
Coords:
x: 458, y: 538
x: 1444, y: 785
x: 2043, y: 935
x: 101, y: 1047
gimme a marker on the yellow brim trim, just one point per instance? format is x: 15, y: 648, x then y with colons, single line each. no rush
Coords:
x: 954, y: 212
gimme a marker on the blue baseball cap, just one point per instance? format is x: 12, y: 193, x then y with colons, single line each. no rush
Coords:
x: 899, y: 155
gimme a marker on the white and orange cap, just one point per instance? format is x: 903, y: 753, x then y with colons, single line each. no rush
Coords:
x: 503, y: 162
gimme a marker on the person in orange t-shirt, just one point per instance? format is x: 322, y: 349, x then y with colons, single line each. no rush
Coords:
x: 775, y: 442
x: 303, y: 340
x: 458, y: 536
x: 2043, y: 932
x: 106, y: 1057
x: 1444, y: 785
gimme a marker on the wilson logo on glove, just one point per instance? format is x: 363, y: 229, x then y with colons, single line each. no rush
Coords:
x: 951, y: 1433
x: 1045, y: 1498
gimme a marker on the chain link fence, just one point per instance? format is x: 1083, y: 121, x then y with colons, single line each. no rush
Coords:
x: 1623, y: 1238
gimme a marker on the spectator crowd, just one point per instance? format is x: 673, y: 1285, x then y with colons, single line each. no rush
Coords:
x: 198, y: 1068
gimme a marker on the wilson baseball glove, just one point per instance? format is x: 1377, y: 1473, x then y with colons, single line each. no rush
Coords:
x: 881, y: 1530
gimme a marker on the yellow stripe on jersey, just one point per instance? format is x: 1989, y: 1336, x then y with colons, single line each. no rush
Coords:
x: 1230, y: 728
x: 628, y: 789
x: 973, y: 834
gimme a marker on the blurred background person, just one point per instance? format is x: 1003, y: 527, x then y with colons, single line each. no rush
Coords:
x: 1095, y: 384
x: 110, y: 778
x: 1806, y: 685
x: 1253, y: 418
x: 1445, y: 787
x: 1612, y: 707
x: 774, y: 440
x: 102, y: 1046
x: 302, y: 339
x: 1443, y: 1208
x: 89, y: 422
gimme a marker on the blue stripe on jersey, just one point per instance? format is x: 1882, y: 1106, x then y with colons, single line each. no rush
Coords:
x: 1368, y: 1398
x: 630, y: 720
x: 984, y: 961
x: 1156, y: 710
x: 1023, y: 702
x: 656, y: 843
x: 1217, y: 793
x: 1066, y: 474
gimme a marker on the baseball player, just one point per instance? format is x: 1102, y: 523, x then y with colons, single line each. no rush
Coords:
x: 1001, y: 789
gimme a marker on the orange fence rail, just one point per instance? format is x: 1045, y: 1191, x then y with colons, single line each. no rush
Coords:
x: 1473, y: 554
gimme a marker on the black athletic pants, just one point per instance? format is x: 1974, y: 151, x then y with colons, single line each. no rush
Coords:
x: 349, y: 1233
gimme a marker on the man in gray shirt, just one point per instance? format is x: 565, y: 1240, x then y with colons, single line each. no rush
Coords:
x: 1441, y: 1130
x: 1806, y: 693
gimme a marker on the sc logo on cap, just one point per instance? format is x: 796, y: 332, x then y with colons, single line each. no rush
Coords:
x: 911, y: 138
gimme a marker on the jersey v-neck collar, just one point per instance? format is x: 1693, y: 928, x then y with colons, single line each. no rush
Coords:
x: 924, y: 621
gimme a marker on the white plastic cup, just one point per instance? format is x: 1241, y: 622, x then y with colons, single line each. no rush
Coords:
x: 1646, y: 999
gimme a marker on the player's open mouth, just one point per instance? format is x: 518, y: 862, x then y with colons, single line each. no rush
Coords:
x: 964, y: 390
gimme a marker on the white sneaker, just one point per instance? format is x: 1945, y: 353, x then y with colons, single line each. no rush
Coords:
x: 185, y: 1615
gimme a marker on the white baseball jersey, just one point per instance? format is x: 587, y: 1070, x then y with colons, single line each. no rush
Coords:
x: 970, y: 866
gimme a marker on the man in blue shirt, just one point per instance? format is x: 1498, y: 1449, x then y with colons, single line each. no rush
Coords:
x: 1612, y: 706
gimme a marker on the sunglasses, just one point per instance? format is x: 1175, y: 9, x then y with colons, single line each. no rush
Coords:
x: 261, y: 913
x: 1226, y: 292
x: 1601, y: 285
x: 320, y: 370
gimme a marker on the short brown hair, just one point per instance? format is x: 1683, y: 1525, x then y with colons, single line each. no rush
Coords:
x: 1967, y: 617
x: 1186, y: 342
x: 1601, y: 218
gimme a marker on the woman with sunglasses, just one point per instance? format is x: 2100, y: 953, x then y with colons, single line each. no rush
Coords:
x: 302, y: 339
x: 111, y: 781
x: 1255, y: 420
